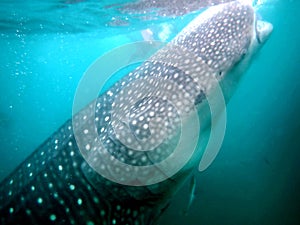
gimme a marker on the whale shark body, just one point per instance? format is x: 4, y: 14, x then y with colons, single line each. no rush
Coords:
x: 59, y: 183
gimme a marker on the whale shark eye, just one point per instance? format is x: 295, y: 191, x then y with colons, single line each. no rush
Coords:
x: 243, y: 55
x: 220, y: 73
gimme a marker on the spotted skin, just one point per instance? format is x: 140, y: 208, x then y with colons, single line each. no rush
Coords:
x: 48, y: 191
x: 55, y: 185
x: 220, y: 50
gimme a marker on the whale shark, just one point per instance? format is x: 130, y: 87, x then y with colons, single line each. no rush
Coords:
x: 95, y: 169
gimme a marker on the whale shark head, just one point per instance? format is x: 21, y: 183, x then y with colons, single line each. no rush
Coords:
x: 225, y: 35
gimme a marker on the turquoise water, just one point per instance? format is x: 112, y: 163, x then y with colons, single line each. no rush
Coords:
x: 254, y: 179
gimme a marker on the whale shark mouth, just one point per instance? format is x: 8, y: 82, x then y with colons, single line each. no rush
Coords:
x: 263, y: 30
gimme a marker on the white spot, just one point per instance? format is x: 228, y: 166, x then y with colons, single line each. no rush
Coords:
x: 85, y: 131
x: 72, y: 187
x: 89, y: 223
x: 40, y: 200
x: 32, y: 188
x: 187, y: 61
x: 11, y: 210
x: 151, y: 114
x: 110, y: 93
x: 88, y: 147
x: 96, y: 200
x: 79, y: 201
x: 144, y: 158
x: 28, y: 165
x: 60, y: 168
x: 52, y: 217
x: 170, y: 114
x: 169, y: 87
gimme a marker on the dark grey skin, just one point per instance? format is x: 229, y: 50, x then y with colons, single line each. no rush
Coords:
x: 56, y: 185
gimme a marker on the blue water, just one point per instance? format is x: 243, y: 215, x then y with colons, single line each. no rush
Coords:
x: 254, y: 179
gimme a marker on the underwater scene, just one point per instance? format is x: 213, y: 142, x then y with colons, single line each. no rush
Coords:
x: 160, y: 112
